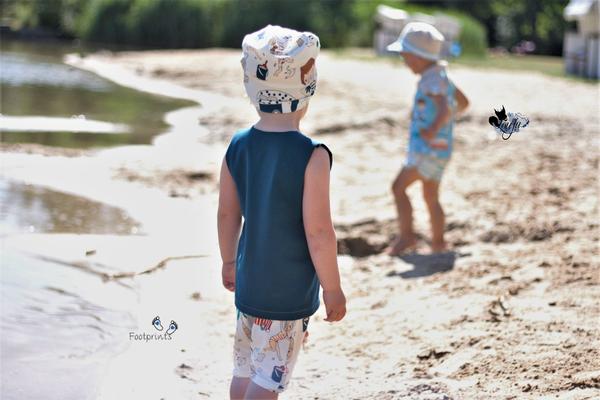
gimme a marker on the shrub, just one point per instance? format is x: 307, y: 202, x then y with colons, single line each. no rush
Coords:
x: 472, y: 39
x: 473, y: 36
x: 169, y: 24
x: 105, y: 21
x: 206, y: 23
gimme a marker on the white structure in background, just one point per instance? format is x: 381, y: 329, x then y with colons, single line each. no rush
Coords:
x: 390, y: 22
x: 581, y: 49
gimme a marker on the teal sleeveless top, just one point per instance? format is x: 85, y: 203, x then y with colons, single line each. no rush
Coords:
x: 275, y: 276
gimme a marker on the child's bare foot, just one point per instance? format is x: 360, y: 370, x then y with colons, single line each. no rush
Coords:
x: 400, y: 245
x: 438, y: 246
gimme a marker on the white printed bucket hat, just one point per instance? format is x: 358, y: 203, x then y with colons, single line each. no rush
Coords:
x: 421, y: 39
x: 280, y: 74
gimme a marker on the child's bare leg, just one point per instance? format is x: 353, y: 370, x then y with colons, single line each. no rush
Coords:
x: 238, y: 387
x: 255, y: 392
x: 436, y: 214
x: 406, y: 238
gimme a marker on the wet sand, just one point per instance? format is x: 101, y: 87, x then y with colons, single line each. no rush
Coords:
x: 511, y: 312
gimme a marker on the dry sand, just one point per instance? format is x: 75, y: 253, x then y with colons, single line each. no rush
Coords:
x: 511, y: 312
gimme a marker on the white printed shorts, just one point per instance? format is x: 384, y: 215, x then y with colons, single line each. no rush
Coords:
x: 266, y: 350
x: 428, y: 165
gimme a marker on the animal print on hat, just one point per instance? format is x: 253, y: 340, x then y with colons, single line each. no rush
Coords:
x: 280, y: 72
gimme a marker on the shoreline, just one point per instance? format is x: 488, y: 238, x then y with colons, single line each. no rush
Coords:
x: 117, y: 255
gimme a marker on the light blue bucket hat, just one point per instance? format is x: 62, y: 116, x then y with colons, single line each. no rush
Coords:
x: 421, y: 39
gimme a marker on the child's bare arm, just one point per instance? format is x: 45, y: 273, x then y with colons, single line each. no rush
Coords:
x: 322, y: 242
x: 441, y: 118
x: 461, y: 101
x: 229, y: 220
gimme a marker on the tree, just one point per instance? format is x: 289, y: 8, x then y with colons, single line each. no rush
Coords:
x: 511, y: 21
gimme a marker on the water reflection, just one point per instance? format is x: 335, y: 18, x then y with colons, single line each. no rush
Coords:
x: 20, y: 69
x: 59, y: 326
x: 57, y: 124
x: 27, y: 208
x: 35, y: 82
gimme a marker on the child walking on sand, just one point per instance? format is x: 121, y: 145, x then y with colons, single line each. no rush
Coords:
x: 430, y: 143
x: 277, y: 179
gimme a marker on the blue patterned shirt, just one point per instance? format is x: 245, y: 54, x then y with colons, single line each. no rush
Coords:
x: 434, y: 81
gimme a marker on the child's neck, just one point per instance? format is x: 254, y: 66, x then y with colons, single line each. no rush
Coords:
x: 425, y: 66
x: 277, y: 122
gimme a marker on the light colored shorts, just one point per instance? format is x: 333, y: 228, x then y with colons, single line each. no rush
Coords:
x: 266, y: 350
x: 428, y: 165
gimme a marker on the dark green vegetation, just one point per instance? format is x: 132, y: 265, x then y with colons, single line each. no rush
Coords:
x: 339, y: 23
x: 508, y: 22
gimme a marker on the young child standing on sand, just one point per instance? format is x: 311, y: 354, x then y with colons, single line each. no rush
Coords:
x: 277, y: 179
x: 430, y: 143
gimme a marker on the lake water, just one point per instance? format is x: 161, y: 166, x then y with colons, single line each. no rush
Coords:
x: 60, y: 325
x: 59, y: 328
x: 35, y: 82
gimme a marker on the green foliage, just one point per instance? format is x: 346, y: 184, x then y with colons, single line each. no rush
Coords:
x: 21, y: 15
x: 364, y: 12
x: 510, y: 21
x: 71, y: 12
x: 539, y: 21
x: 169, y: 24
x: 150, y: 23
x: 204, y: 23
x: 58, y: 16
x: 472, y: 37
x: 106, y: 21
x: 339, y: 23
x: 329, y: 19
x: 242, y: 16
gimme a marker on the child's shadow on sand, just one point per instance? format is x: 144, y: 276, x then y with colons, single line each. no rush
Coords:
x: 426, y: 264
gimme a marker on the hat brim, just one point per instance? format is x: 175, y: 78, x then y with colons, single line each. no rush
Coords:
x: 395, y: 47
x: 403, y: 47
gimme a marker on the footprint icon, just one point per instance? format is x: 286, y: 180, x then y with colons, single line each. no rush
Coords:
x: 172, y: 328
x: 156, y: 323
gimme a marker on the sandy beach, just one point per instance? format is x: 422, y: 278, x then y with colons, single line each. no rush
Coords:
x: 512, y: 311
